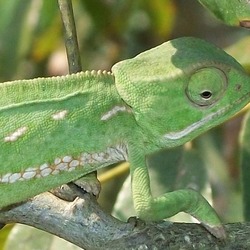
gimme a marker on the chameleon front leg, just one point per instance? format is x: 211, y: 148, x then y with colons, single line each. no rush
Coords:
x: 149, y: 208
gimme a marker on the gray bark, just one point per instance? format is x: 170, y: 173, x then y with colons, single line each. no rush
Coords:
x: 85, y: 224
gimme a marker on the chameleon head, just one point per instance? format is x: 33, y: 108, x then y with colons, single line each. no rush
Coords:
x: 182, y: 88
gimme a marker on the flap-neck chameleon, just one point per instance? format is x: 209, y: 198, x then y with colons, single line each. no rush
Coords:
x: 58, y: 129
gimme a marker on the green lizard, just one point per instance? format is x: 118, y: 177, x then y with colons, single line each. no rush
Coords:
x: 56, y: 130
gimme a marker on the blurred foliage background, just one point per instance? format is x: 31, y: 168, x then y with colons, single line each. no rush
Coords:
x: 31, y: 39
x: 32, y: 45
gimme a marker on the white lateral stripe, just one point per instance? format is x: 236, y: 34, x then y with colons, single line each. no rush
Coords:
x: 192, y: 127
x: 113, y: 112
x: 67, y: 163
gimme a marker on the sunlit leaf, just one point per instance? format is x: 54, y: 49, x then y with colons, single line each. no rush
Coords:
x: 241, y: 52
x: 232, y: 12
x: 245, y: 165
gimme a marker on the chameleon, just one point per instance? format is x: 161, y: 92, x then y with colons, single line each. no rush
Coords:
x: 56, y: 130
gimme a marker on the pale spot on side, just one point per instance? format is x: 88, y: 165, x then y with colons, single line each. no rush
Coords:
x: 55, y: 172
x: 112, y: 112
x: 67, y: 159
x: 30, y: 169
x: 28, y: 175
x: 45, y: 172
x: 57, y: 161
x: 16, y: 134
x: 5, y: 178
x: 62, y: 166
x: 14, y: 177
x: 74, y: 163
x: 59, y: 115
x: 44, y: 166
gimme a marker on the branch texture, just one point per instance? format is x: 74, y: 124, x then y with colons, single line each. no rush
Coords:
x: 84, y: 223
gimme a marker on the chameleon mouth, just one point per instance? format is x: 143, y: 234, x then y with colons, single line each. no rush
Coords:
x: 196, y: 125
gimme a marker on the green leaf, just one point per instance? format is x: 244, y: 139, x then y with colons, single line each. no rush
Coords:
x: 240, y: 51
x: 4, y: 234
x: 245, y: 166
x: 231, y: 12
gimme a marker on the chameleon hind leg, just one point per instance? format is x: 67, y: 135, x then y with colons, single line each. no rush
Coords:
x: 86, y: 184
x: 149, y: 208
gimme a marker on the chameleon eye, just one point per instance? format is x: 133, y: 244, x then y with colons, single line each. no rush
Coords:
x: 206, y: 94
x: 206, y: 86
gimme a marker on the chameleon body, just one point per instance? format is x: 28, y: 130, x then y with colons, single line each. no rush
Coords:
x: 56, y: 130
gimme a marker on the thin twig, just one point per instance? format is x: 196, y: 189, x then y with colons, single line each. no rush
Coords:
x: 71, y: 44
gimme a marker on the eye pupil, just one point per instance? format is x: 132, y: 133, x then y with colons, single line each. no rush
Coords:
x: 206, y: 94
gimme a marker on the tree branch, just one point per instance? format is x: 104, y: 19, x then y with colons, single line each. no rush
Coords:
x: 84, y: 223
x: 70, y: 36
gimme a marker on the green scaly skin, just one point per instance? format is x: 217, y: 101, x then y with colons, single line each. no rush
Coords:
x: 162, y: 98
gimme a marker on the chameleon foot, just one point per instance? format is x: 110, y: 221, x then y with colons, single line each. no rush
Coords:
x: 64, y: 192
x: 70, y: 191
x: 136, y: 222
x: 89, y: 184
x: 217, y: 231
